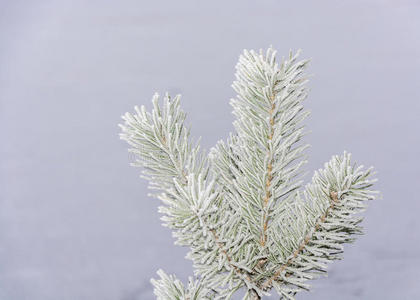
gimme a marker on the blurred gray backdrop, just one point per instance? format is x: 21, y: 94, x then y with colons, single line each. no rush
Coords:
x: 75, y: 220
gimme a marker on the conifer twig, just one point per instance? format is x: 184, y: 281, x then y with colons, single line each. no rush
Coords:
x: 243, y: 210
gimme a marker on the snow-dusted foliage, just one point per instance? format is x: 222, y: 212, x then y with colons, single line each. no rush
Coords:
x: 242, y: 209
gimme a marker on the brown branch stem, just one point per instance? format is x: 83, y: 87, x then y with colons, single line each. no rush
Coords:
x: 269, y: 175
x: 333, y: 201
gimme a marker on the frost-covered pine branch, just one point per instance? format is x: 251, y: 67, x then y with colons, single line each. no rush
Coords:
x: 242, y: 210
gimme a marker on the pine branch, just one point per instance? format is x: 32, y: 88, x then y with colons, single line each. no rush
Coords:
x: 303, y: 244
x: 240, y: 210
x: 161, y: 144
x: 268, y: 111
x: 317, y: 226
x: 193, y: 204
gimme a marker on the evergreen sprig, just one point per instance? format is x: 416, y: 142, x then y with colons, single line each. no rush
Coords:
x: 242, y: 209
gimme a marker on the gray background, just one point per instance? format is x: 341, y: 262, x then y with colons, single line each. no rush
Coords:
x: 75, y: 220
